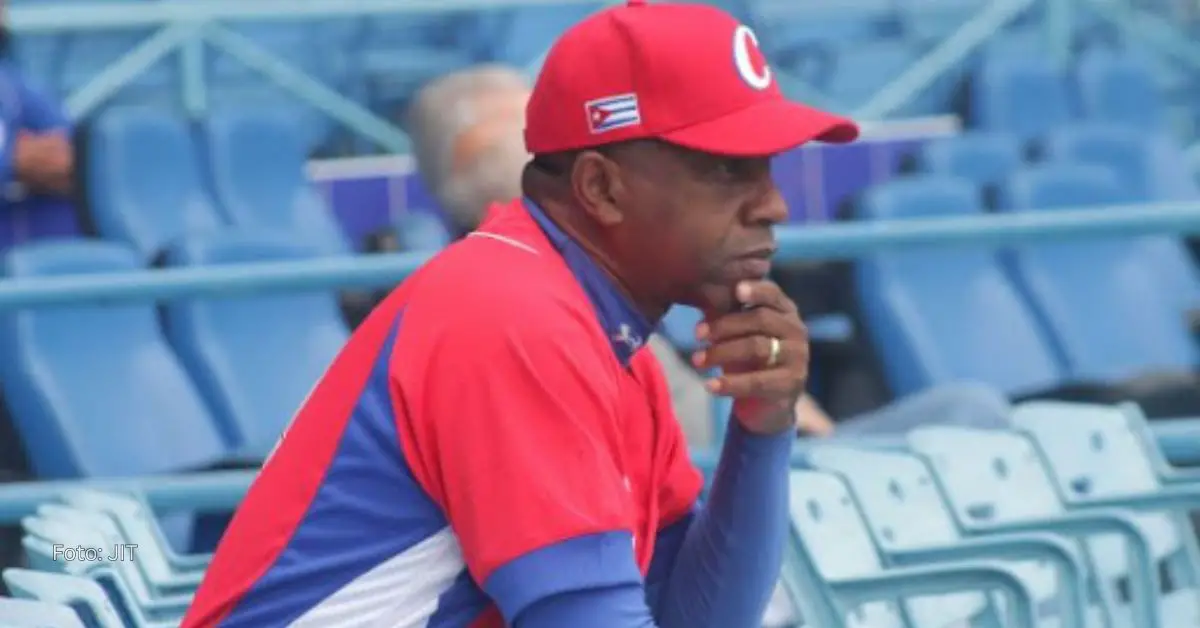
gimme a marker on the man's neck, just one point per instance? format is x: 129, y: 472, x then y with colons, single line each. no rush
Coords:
x: 573, y: 223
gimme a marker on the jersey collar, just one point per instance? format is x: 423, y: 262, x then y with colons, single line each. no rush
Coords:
x: 626, y: 327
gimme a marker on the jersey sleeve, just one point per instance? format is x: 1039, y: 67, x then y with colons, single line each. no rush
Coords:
x: 514, y: 432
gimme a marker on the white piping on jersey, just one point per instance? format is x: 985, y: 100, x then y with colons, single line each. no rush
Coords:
x: 401, y: 592
x: 506, y: 240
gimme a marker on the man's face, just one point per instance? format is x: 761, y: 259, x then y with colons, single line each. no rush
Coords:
x: 696, y: 223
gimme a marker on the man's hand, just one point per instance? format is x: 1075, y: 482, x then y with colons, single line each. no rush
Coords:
x: 763, y: 353
x: 44, y: 162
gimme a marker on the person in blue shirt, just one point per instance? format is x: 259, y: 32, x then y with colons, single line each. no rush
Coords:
x: 36, y: 154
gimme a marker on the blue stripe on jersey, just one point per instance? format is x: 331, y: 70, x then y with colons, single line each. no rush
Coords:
x: 594, y: 561
x: 368, y: 509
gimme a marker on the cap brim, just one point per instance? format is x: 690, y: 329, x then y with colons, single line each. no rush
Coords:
x: 765, y: 129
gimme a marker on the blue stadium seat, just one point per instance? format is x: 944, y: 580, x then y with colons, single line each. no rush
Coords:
x: 1149, y: 163
x: 1111, y: 313
x: 835, y: 554
x: 255, y: 358
x: 256, y: 162
x: 1020, y: 93
x: 144, y: 180
x: 910, y: 520
x: 1117, y: 87
x: 33, y: 614
x: 928, y: 334
x: 980, y: 157
x: 94, y: 390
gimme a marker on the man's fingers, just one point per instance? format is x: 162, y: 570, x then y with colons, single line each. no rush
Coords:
x: 749, y: 353
x: 777, y: 383
x: 763, y: 293
x: 758, y: 321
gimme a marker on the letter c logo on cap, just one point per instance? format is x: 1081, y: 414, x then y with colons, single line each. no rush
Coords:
x: 748, y: 59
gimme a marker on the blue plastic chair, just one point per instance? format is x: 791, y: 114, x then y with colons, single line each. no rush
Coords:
x: 911, y: 524
x: 978, y: 156
x: 836, y: 577
x: 44, y: 535
x: 32, y: 614
x: 161, y: 580
x: 139, y: 525
x: 927, y: 334
x: 1102, y: 456
x: 70, y: 591
x: 997, y: 482
x: 1082, y: 288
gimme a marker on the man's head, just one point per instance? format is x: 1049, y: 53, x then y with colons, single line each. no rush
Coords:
x: 466, y: 131
x: 653, y: 126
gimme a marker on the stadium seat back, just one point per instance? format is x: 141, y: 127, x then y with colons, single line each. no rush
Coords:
x: 1096, y: 450
x: 988, y: 476
x: 1104, y: 452
x: 139, y: 524
x: 256, y: 162
x: 144, y: 179
x: 904, y: 510
x: 1117, y: 87
x: 1149, y: 163
x: 927, y: 334
x: 35, y: 614
x: 66, y: 590
x: 979, y: 157
x: 94, y: 389
x: 1021, y: 93
x: 837, y: 542
x: 1084, y: 289
x: 255, y: 357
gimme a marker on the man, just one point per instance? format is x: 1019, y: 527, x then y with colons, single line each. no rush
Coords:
x: 466, y: 131
x: 495, y: 448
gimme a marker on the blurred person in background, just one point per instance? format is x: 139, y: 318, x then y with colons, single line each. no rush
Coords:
x: 35, y: 135
x: 466, y: 129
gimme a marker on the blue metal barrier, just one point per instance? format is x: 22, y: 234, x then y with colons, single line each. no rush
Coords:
x: 833, y: 241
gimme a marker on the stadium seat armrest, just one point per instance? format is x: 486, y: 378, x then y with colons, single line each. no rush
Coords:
x: 1175, y: 497
x: 191, y: 563
x: 1056, y: 550
x: 1179, y: 441
x: 1144, y: 575
x: 939, y: 579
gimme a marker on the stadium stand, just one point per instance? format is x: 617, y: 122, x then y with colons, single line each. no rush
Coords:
x: 1077, y: 516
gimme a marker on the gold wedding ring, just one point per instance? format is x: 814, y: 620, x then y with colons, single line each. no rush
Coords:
x: 773, y: 358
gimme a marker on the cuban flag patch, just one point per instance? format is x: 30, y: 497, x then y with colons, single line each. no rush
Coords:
x: 612, y: 112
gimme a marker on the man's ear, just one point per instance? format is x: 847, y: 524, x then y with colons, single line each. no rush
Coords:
x: 598, y: 187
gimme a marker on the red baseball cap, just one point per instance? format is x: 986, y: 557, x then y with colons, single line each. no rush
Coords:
x: 688, y: 74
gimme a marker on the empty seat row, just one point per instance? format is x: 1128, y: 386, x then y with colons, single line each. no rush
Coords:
x: 106, y: 390
x: 151, y: 180
x: 1150, y: 164
x: 1032, y: 316
x: 1025, y: 92
x: 1071, y: 518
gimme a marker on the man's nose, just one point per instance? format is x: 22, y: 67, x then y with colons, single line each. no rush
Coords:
x: 769, y: 208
